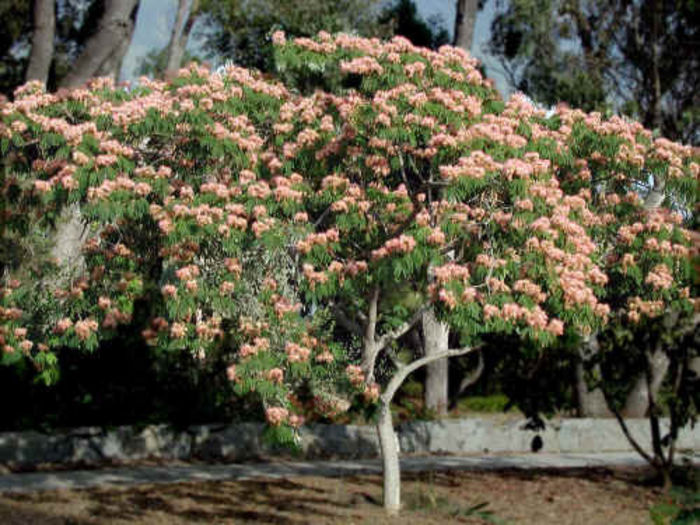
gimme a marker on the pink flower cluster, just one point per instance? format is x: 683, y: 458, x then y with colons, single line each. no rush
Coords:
x: 260, y: 344
x: 536, y: 318
x: 296, y: 353
x: 659, y: 278
x: 451, y: 272
x: 532, y: 290
x: 638, y: 307
x: 275, y: 416
x: 362, y: 66
x: 401, y: 244
x: 317, y: 239
x: 355, y: 375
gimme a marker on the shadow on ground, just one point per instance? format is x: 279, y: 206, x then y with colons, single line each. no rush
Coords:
x: 594, y: 495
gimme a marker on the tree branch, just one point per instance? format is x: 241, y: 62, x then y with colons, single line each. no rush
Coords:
x: 406, y: 370
x: 630, y: 438
x: 472, y: 377
x: 394, y: 334
x: 370, y: 350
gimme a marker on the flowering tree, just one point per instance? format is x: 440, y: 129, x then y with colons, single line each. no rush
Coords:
x: 411, y: 173
x: 505, y: 219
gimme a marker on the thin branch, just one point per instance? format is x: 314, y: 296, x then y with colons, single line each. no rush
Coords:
x: 628, y: 435
x: 473, y: 376
x: 404, y: 372
x: 370, y: 350
x: 394, y: 334
x: 322, y: 217
x: 371, y: 324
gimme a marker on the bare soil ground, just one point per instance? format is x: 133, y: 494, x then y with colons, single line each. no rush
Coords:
x: 592, y: 496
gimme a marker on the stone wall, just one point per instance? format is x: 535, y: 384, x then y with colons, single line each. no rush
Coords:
x: 243, y: 442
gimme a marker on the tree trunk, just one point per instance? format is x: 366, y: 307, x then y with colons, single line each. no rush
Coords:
x: 656, y: 116
x: 69, y: 238
x: 175, y: 48
x: 388, y: 442
x: 591, y: 402
x: 180, y: 35
x: 42, y: 41
x: 114, y: 27
x: 435, y: 340
x: 464, y: 23
x: 637, y: 402
x: 113, y: 65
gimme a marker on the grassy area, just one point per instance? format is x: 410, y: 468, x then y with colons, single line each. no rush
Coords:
x: 409, y: 406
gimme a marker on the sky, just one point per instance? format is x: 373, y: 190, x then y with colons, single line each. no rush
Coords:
x: 156, y: 18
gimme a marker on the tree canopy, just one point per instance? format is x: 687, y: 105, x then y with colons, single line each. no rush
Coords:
x: 410, y: 172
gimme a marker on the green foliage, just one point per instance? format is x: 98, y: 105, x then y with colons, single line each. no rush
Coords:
x: 492, y: 404
x: 682, y: 508
x: 242, y: 29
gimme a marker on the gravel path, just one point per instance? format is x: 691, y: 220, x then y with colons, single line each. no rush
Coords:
x: 125, y: 476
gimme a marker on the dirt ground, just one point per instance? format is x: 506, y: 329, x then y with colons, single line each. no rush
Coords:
x: 600, y: 496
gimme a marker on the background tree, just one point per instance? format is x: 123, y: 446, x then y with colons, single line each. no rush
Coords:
x: 403, y: 18
x: 15, y: 27
x: 637, y: 57
x: 43, y: 36
x: 63, y: 42
x: 465, y: 20
x: 241, y: 30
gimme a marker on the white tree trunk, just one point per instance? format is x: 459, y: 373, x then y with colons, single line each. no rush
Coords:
x: 69, y: 237
x: 637, y: 402
x: 114, y: 27
x: 591, y: 403
x: 464, y: 23
x: 390, y: 460
x: 435, y: 340
x: 42, y: 41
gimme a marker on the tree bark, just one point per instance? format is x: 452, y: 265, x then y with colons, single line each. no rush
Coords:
x: 176, y: 48
x: 591, y: 402
x: 180, y: 35
x: 114, y: 27
x: 387, y: 438
x: 464, y: 23
x: 42, y: 41
x: 637, y: 402
x: 390, y: 460
x: 69, y: 238
x: 656, y: 116
x: 113, y: 65
x: 436, y: 339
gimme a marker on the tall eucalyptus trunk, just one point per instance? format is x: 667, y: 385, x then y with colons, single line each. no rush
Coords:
x: 43, y: 36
